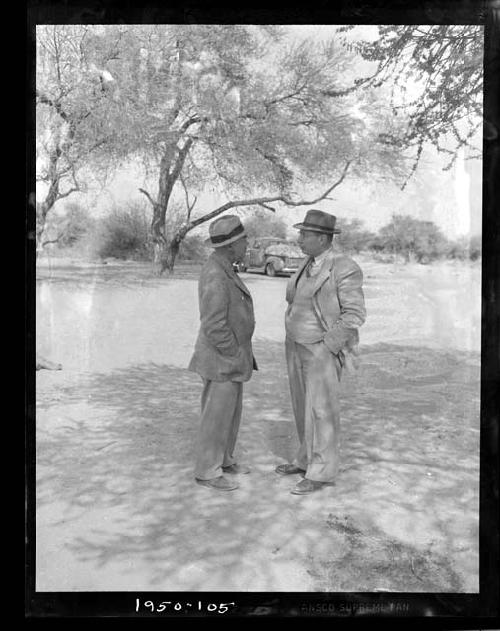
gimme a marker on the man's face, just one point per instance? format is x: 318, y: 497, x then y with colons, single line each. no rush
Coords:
x: 239, y: 248
x: 312, y: 243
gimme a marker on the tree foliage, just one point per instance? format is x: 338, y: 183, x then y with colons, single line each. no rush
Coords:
x: 66, y: 230
x: 354, y: 237
x: 412, y: 239
x: 265, y: 224
x: 74, y: 107
x: 221, y: 106
x: 233, y: 110
x: 435, y: 74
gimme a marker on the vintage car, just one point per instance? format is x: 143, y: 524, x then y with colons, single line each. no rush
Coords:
x: 271, y: 256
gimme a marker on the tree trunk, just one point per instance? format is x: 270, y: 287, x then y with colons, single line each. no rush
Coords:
x: 165, y: 253
x: 41, y: 217
x: 161, y: 260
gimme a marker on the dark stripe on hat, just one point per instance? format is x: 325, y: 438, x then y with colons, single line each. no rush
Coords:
x: 224, y: 237
x: 308, y: 224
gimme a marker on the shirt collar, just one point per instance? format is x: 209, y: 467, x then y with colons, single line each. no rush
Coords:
x: 317, y: 260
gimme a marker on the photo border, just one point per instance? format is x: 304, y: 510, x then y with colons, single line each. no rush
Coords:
x: 451, y: 610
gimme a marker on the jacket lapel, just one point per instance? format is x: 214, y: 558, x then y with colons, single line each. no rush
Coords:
x: 228, y: 269
x: 240, y: 284
x: 291, y: 287
x: 325, y: 272
x: 301, y: 268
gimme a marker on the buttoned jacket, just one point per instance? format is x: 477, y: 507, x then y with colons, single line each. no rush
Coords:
x: 223, y: 349
x: 338, y: 301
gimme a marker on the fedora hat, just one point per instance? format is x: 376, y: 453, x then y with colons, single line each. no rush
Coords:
x: 318, y: 221
x: 225, y: 230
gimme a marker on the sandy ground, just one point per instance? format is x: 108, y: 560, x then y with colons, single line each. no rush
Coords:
x: 117, y: 507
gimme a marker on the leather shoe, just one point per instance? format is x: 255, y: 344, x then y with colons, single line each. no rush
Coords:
x: 220, y: 484
x: 288, y: 469
x: 305, y: 486
x: 236, y: 468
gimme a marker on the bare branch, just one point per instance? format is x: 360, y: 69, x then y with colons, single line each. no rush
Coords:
x: 189, y: 207
x: 259, y: 201
x: 74, y: 189
x: 191, y: 121
x: 56, y: 240
x: 55, y: 104
x: 268, y: 207
x: 148, y: 196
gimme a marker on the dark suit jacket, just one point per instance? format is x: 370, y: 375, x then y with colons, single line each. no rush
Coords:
x: 223, y: 349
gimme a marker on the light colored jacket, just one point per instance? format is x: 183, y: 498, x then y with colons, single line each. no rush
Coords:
x: 338, y: 301
x: 223, y: 349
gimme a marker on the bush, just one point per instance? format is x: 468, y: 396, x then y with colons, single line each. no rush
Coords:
x: 124, y: 234
x: 475, y: 247
x: 68, y: 229
x: 354, y: 237
x: 466, y: 248
x: 193, y: 248
x: 78, y: 224
x: 412, y: 239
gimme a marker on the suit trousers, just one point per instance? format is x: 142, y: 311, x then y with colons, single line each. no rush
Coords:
x: 221, y: 405
x: 314, y: 376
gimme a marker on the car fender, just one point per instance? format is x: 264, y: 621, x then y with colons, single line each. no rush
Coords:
x: 276, y: 261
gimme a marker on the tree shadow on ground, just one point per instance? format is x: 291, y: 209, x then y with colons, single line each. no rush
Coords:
x: 402, y: 516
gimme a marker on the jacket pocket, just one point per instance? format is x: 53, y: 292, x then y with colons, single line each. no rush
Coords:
x: 231, y: 364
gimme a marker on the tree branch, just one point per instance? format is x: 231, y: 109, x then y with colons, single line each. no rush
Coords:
x: 189, y: 207
x: 56, y: 240
x: 259, y: 201
x: 75, y: 189
x: 191, y: 121
x: 268, y: 207
x: 56, y: 105
x: 148, y: 196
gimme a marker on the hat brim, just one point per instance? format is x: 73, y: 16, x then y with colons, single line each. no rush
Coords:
x: 240, y: 235
x: 300, y: 226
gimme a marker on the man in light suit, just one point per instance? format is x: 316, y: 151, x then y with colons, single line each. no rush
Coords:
x: 223, y: 354
x: 326, y: 308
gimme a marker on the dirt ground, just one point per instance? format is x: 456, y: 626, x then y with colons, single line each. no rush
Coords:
x: 117, y: 507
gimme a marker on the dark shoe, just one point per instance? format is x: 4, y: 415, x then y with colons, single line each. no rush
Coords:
x: 288, y: 469
x: 236, y: 468
x: 220, y: 484
x: 305, y: 486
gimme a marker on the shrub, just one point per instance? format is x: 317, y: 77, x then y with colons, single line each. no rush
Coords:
x: 413, y: 239
x: 124, y: 234
x: 466, y: 248
x: 475, y: 247
x: 67, y: 229
x: 193, y: 248
x: 78, y: 224
x: 354, y: 237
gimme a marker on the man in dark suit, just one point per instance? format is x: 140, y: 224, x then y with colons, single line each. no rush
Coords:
x: 223, y: 354
x: 325, y: 309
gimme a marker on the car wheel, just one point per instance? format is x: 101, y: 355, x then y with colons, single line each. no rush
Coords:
x: 270, y: 271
